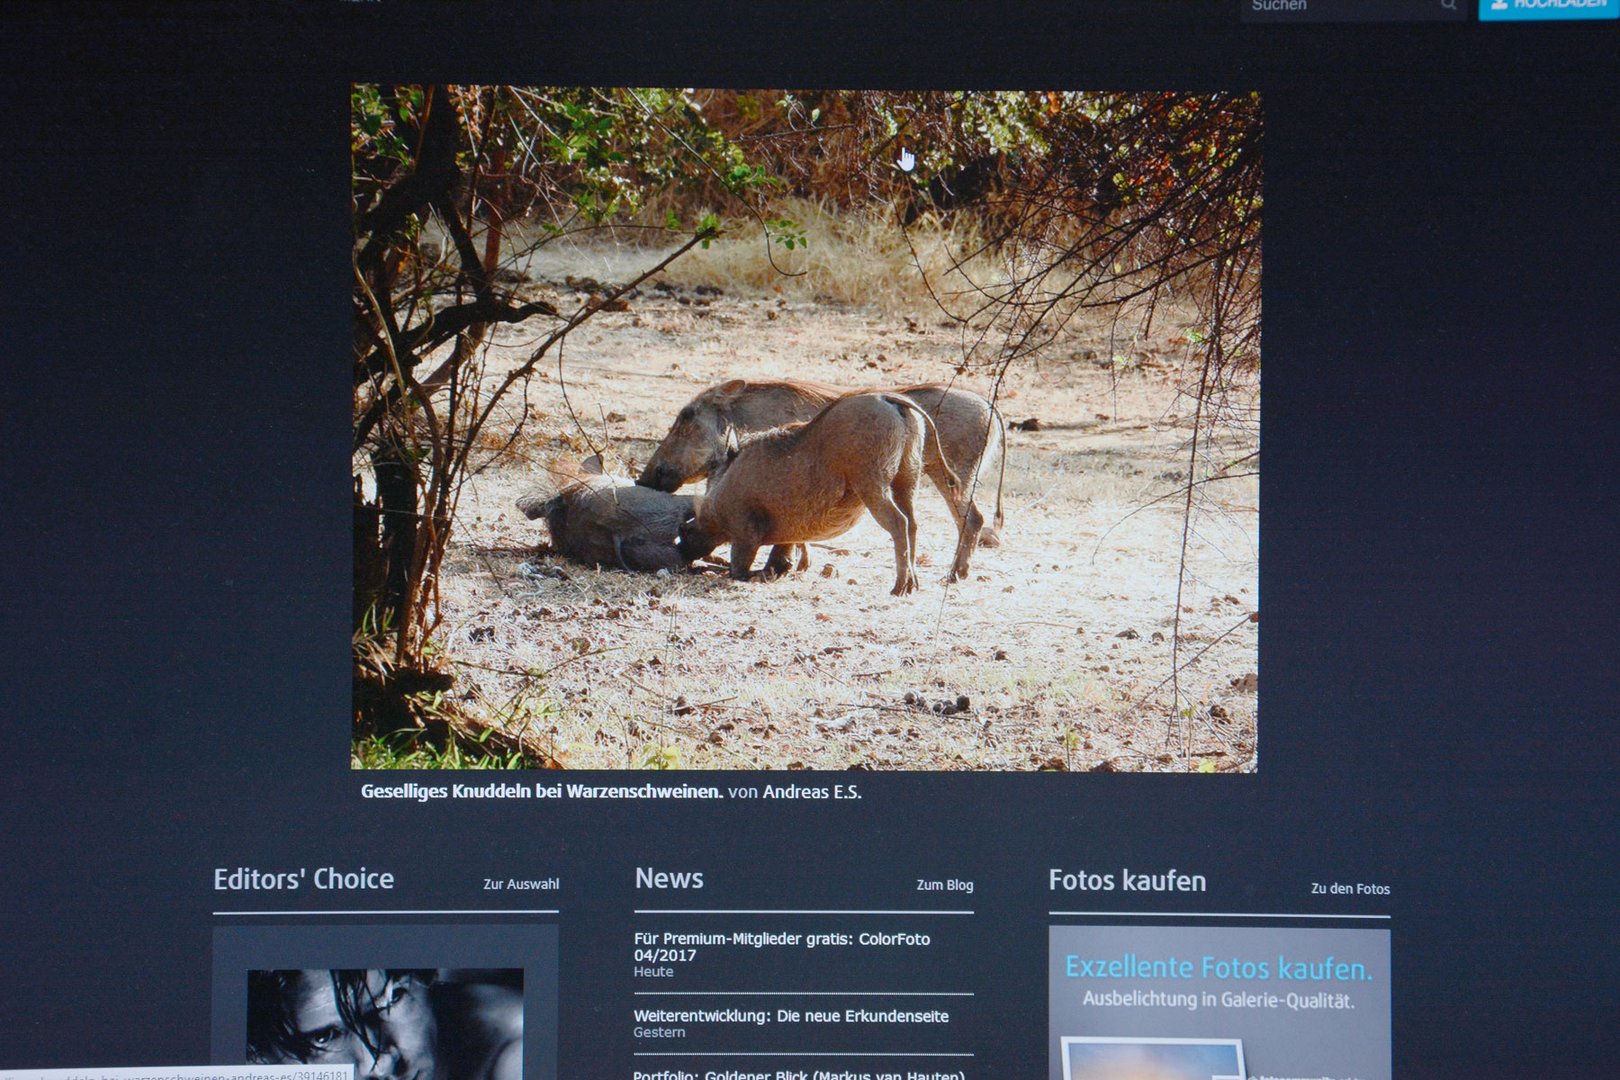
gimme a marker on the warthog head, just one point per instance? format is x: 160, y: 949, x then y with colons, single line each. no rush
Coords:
x: 695, y: 542
x: 696, y: 444
x: 694, y: 538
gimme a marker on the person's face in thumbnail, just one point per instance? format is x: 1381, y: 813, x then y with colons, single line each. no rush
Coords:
x: 381, y: 1023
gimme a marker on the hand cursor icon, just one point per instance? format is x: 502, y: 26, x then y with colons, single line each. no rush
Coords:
x: 907, y: 160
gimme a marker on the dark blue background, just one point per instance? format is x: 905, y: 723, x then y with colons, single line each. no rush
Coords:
x: 1439, y: 643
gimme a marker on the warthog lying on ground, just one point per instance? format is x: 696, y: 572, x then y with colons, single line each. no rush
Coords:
x: 970, y: 435
x: 811, y: 481
x: 603, y: 520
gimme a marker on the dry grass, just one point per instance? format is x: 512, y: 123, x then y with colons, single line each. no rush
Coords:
x: 848, y: 258
x: 858, y: 259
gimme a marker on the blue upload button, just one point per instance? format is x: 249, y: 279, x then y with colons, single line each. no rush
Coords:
x: 1521, y: 10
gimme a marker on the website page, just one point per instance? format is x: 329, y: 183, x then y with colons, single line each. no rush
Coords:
x: 691, y: 542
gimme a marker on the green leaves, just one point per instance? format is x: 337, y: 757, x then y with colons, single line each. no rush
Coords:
x: 709, y: 229
x: 742, y: 176
x: 653, y: 756
x: 786, y: 232
x: 376, y: 129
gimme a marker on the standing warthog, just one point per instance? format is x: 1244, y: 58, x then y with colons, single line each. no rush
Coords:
x: 970, y: 434
x: 811, y: 481
x: 603, y: 520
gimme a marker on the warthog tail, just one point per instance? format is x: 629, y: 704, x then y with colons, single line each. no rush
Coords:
x: 1001, y: 479
x: 904, y: 403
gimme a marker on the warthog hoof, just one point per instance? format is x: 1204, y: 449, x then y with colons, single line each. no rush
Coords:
x: 989, y: 538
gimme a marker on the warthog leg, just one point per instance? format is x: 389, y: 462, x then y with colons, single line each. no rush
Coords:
x: 781, y: 559
x: 742, y: 558
x: 969, y: 521
x: 892, y: 509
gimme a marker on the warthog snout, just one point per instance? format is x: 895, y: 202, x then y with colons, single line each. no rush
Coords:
x: 694, y: 542
x: 660, y: 477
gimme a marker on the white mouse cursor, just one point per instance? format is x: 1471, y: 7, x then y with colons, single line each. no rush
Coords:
x: 907, y: 161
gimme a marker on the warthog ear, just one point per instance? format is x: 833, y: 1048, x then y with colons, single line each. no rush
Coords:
x: 592, y: 466
x: 728, y: 391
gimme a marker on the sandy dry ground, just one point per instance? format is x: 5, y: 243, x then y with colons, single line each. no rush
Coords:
x: 1060, y: 642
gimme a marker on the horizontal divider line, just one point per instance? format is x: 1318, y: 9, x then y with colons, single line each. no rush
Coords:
x: 789, y: 911
x: 804, y: 993
x: 397, y: 911
x: 1214, y: 915
x: 789, y: 1053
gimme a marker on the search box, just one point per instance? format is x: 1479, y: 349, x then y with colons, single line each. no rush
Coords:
x: 1354, y: 11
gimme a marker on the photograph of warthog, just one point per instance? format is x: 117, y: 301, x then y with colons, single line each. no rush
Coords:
x: 811, y: 481
x: 1079, y: 346
x: 971, y: 437
x: 597, y: 519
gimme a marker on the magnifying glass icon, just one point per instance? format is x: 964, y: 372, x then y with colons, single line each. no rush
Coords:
x: 1449, y: 5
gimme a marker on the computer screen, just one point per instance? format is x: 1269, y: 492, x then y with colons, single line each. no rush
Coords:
x: 779, y: 596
